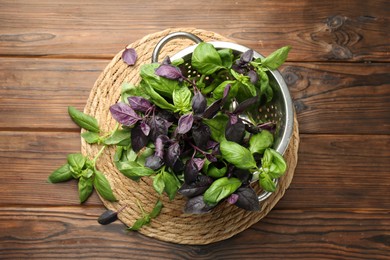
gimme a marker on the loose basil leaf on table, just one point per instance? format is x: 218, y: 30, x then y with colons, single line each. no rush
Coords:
x: 85, y: 187
x: 76, y: 162
x: 61, y: 174
x: 83, y: 120
x: 103, y: 187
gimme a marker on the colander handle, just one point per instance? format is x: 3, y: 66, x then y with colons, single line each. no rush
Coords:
x: 170, y: 37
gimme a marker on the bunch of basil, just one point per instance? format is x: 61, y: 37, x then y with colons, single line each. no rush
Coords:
x: 190, y: 131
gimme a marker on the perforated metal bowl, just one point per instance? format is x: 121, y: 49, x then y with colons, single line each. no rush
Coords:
x: 279, y: 110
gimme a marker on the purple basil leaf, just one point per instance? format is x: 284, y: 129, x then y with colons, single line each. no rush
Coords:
x: 199, y: 163
x: 201, y: 135
x: 158, y: 126
x: 247, y: 199
x: 139, y: 104
x: 172, y: 154
x: 235, y: 132
x: 178, y: 167
x: 154, y: 162
x: 169, y: 72
x: 243, y: 175
x: 196, y: 188
x: 232, y: 198
x: 254, y: 78
x: 167, y: 115
x: 199, y: 103
x: 252, y: 129
x: 213, y: 109
x: 244, y: 105
x: 138, y: 139
x: 124, y: 114
x: 166, y: 61
x: 191, y: 171
x: 129, y: 56
x: 185, y: 123
x: 268, y: 126
x: 145, y: 128
x: 238, y: 68
x: 211, y: 144
x: 246, y: 57
x: 233, y: 119
x: 225, y: 94
x: 211, y: 157
x: 196, y: 205
x: 159, y: 145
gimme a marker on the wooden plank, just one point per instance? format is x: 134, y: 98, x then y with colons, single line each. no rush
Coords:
x: 321, y: 30
x: 334, y: 171
x: 67, y: 232
x: 357, y: 95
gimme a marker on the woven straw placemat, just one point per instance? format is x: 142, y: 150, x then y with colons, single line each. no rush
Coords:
x: 172, y: 224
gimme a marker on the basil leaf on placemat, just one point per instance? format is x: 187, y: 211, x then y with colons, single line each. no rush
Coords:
x: 83, y: 120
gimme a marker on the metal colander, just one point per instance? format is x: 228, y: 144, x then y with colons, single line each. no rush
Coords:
x: 279, y: 110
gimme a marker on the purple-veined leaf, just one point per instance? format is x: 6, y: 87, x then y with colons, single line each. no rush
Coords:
x: 172, y: 154
x: 154, y: 162
x: 213, y: 109
x: 244, y: 175
x: 178, y: 166
x: 166, y: 61
x: 199, y: 162
x: 185, y: 123
x: 247, y: 199
x: 196, y: 188
x: 138, y: 139
x: 129, y: 56
x: 244, y: 105
x: 235, y: 132
x: 139, y: 103
x: 198, y: 103
x: 232, y: 199
x: 145, y: 128
x: 158, y: 126
x: 191, y: 171
x: 245, y: 58
x: 124, y: 114
x: 168, y: 71
x: 201, y: 134
x: 233, y: 119
x: 225, y: 94
x: 253, y: 77
x: 159, y: 145
x: 196, y: 205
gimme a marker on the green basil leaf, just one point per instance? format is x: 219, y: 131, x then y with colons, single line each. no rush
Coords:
x: 130, y: 168
x: 156, y: 210
x: 156, y: 98
x: 103, y: 187
x: 218, y: 91
x: 182, y: 99
x: 226, y: 57
x: 139, y: 223
x: 277, y: 58
x: 85, y: 187
x: 161, y: 85
x: 118, y: 153
x: 171, y: 184
x: 61, y: 174
x: 87, y: 173
x: 278, y: 165
x: 83, y: 120
x: 220, y: 189
x: 216, y: 172
x: 120, y: 137
x: 76, y: 162
x: 130, y: 90
x: 143, y: 154
x: 266, y: 182
x: 237, y: 155
x: 217, y: 126
x: 261, y: 141
x: 90, y: 137
x: 158, y: 183
x: 205, y: 59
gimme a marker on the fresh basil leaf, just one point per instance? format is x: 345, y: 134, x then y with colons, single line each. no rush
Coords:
x: 139, y: 223
x: 87, y: 173
x: 161, y: 85
x: 120, y: 137
x: 197, y: 205
x: 103, y: 187
x: 278, y: 165
x: 156, y: 98
x: 277, y: 58
x: 261, y: 141
x: 130, y: 90
x: 156, y: 209
x: 85, y: 187
x: 265, y: 87
x: 133, y: 170
x: 83, y: 120
x: 205, y: 59
x: 76, y: 162
x: 247, y: 199
x: 220, y: 189
x: 226, y: 57
x: 61, y: 174
x: 216, y: 172
x: 237, y: 155
x: 182, y: 99
x: 171, y: 184
x: 184, y: 124
x: 158, y: 183
x: 143, y: 154
x: 91, y: 137
x: 218, y: 91
x: 216, y: 126
x: 118, y: 153
x: 266, y: 182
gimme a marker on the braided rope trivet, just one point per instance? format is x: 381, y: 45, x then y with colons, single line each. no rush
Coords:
x: 172, y: 224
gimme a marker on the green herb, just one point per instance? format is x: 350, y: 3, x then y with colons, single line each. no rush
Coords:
x: 146, y: 217
x: 206, y: 59
x: 83, y: 120
x: 61, y: 174
x: 277, y: 58
x: 220, y: 189
x: 261, y: 141
x: 237, y: 155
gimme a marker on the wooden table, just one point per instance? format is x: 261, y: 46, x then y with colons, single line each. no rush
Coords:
x: 51, y: 53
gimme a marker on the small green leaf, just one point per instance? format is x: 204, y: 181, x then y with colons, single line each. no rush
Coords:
x: 120, y: 137
x: 118, y: 153
x: 61, y: 174
x: 83, y: 120
x: 261, y: 141
x: 76, y: 162
x: 91, y: 137
x: 237, y: 155
x: 161, y: 85
x: 103, y: 187
x: 182, y: 99
x: 216, y: 172
x: 171, y: 184
x: 266, y: 182
x: 156, y: 98
x: 156, y: 210
x: 158, y: 183
x: 226, y: 57
x: 206, y: 59
x: 276, y: 165
x: 85, y: 187
x: 139, y: 223
x: 217, y: 126
x: 277, y: 58
x: 218, y: 91
x: 134, y: 170
x: 220, y: 189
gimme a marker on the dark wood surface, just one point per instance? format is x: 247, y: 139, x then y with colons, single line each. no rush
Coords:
x: 338, y: 72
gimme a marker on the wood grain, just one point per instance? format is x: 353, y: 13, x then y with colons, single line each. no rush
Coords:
x: 333, y: 171
x: 55, y: 232
x: 329, y: 98
x: 320, y: 30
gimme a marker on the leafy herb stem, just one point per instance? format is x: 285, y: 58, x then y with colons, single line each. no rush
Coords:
x: 98, y: 155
